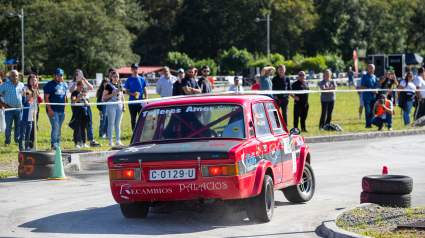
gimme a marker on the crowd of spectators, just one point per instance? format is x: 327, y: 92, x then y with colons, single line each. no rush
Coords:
x: 377, y: 100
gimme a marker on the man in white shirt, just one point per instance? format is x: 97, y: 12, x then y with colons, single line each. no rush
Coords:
x: 164, y: 86
x: 420, y: 84
x: 237, y: 88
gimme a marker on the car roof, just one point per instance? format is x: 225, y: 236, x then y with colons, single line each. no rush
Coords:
x: 231, y: 98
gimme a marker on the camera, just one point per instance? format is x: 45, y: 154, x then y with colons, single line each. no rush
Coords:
x: 381, y: 101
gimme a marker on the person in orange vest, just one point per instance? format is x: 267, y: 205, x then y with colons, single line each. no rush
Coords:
x: 384, y: 112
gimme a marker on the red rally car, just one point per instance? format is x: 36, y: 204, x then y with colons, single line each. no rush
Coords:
x: 205, y: 149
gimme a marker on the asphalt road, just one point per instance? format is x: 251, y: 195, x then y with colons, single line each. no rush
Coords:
x: 84, y: 207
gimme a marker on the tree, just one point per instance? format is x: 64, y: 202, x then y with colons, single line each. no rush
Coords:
x: 210, y: 63
x: 177, y: 60
x: 235, y: 60
x: 82, y: 36
x: 314, y: 63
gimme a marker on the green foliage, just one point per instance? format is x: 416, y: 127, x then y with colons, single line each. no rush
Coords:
x: 298, y: 58
x: 235, y: 60
x: 362, y: 66
x: 274, y: 58
x: 211, y: 64
x: 314, y: 63
x: 176, y: 60
x: 259, y: 63
x: 331, y: 60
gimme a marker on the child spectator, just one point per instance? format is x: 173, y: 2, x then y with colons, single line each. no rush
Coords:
x: 27, y: 117
x: 80, y: 113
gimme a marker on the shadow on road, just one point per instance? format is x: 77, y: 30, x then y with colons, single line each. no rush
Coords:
x: 109, y: 220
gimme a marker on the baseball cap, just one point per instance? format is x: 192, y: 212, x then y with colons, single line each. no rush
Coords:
x: 257, y: 75
x: 236, y: 78
x: 59, y: 71
x: 180, y: 70
x: 135, y: 65
x: 195, y: 69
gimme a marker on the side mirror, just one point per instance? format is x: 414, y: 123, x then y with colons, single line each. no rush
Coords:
x: 294, y: 131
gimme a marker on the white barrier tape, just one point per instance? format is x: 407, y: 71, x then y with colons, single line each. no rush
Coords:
x: 222, y: 93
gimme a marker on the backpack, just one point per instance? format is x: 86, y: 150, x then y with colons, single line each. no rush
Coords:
x: 332, y: 127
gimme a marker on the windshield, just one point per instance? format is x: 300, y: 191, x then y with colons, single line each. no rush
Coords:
x: 194, y: 121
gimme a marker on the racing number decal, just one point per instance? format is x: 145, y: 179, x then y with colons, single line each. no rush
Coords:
x: 27, y: 164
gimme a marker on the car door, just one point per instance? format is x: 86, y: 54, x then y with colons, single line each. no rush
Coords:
x: 280, y: 134
x: 267, y: 143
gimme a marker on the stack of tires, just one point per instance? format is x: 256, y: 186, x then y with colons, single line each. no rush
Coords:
x: 387, y: 190
x: 36, y: 164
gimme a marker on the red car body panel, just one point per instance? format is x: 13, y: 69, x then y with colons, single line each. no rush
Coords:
x: 275, y: 154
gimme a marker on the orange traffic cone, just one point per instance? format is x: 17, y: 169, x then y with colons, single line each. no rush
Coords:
x: 385, y: 170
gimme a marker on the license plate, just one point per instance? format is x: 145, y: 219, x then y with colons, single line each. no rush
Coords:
x: 172, y: 174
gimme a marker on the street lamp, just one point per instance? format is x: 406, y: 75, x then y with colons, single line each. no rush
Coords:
x: 268, y: 34
x: 21, y: 16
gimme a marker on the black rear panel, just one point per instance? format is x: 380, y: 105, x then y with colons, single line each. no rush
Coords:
x: 218, y: 149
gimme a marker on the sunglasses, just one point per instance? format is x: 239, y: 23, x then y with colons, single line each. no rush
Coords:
x: 206, y: 71
x: 301, y: 74
x: 181, y: 72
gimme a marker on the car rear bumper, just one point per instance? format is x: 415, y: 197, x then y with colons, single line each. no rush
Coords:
x: 225, y: 188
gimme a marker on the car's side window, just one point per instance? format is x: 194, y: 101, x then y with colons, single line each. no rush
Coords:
x: 261, y: 124
x: 274, y: 118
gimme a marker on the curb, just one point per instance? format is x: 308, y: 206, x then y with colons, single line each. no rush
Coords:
x: 363, y: 136
x: 74, y: 162
x: 331, y: 230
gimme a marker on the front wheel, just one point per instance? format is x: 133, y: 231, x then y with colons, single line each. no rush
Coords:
x: 135, y: 210
x: 304, y: 191
x: 260, y: 208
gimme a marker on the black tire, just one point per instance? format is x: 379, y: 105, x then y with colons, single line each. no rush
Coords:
x: 35, y: 171
x: 303, y: 191
x: 387, y: 200
x: 260, y: 208
x: 36, y: 157
x: 135, y: 210
x: 387, y: 184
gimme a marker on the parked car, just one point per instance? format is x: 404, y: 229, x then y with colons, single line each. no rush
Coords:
x: 208, y: 149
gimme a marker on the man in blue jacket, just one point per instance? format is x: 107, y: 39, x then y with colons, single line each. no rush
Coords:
x: 368, y: 81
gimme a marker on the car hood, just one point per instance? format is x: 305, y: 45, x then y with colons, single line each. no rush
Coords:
x: 214, y: 149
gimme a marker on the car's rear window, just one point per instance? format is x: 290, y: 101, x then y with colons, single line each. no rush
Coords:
x: 190, y: 121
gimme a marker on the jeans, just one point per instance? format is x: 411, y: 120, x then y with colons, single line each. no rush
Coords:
x: 103, y: 127
x: 368, y: 106
x: 406, y: 114
x: 10, y: 117
x: 80, y: 129
x: 377, y: 121
x: 134, y: 110
x: 300, y: 112
x: 56, y: 122
x: 420, y: 109
x: 327, y: 110
x: 25, y: 134
x: 283, y: 104
x: 89, y: 128
x: 114, y: 112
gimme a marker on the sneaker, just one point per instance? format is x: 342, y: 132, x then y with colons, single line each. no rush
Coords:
x: 85, y: 146
x: 22, y: 149
x: 28, y: 149
x: 390, y: 129
x: 360, y: 117
x: 94, y: 144
x: 55, y: 145
x: 103, y: 137
x: 6, y: 145
x: 32, y: 149
x: 77, y: 146
x: 380, y: 128
x: 111, y: 143
x: 80, y: 144
x: 119, y: 142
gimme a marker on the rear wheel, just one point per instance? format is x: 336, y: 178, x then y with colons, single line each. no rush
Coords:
x: 260, y: 208
x: 304, y: 191
x: 135, y: 210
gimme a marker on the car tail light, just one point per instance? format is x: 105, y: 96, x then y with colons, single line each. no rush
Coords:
x: 124, y: 174
x: 220, y: 170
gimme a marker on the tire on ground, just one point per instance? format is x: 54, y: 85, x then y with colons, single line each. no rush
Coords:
x: 303, y: 191
x: 260, y: 208
x: 386, y: 200
x: 135, y: 210
x: 387, y: 184
x: 35, y: 171
x: 36, y: 157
